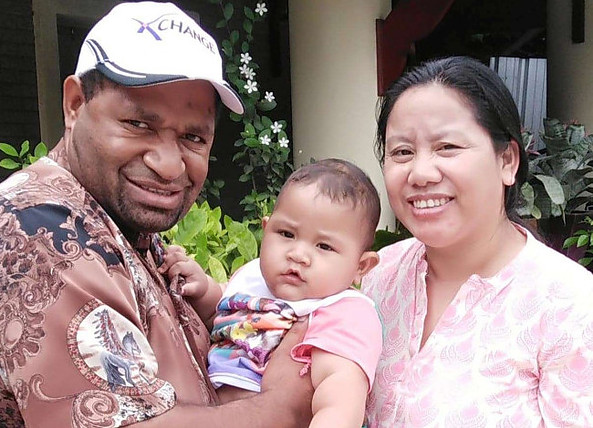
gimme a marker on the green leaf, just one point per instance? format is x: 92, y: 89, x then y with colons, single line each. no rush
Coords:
x: 234, y: 36
x: 248, y: 26
x: 266, y: 121
x: 192, y: 224
x: 228, y: 11
x: 582, y: 240
x: 252, y: 142
x: 237, y: 263
x: 553, y: 188
x: 228, y: 48
x: 536, y: 213
x: 221, y: 24
x: 217, y: 270
x: 24, y: 148
x: 586, y: 261
x: 264, y: 105
x: 9, y: 164
x: 244, y: 47
x: 40, y: 150
x: 570, y: 242
x: 250, y: 129
x: 248, y: 13
x: 8, y: 149
x: 235, y: 117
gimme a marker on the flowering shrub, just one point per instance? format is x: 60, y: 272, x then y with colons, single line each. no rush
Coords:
x: 263, y: 147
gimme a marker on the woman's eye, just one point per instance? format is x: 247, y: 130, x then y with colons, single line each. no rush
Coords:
x: 401, y: 154
x: 325, y: 247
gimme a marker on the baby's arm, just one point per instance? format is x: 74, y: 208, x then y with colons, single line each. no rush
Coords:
x: 341, y: 388
x: 200, y: 290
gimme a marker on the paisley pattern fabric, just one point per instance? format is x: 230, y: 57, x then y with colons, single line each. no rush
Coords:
x: 89, y: 330
x: 514, y: 350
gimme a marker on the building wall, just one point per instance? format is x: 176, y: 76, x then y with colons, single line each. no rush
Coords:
x: 570, y: 85
x: 334, y: 83
x: 19, y: 118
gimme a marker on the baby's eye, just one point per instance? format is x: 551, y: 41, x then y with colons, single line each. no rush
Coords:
x: 325, y: 247
x: 286, y: 234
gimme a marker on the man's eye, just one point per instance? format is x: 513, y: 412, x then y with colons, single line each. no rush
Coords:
x: 138, y: 124
x: 325, y: 247
x: 193, y: 138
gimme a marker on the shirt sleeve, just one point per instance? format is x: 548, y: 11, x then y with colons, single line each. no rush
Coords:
x: 349, y: 328
x: 73, y: 349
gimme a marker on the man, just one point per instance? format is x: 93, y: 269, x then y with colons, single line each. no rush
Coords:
x: 90, y: 333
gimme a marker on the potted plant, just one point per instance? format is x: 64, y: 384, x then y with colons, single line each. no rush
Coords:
x: 559, y: 189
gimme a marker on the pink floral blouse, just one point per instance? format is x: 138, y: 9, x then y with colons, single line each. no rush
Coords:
x: 514, y: 350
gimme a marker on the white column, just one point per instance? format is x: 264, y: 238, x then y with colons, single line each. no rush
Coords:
x: 570, y: 85
x: 334, y: 83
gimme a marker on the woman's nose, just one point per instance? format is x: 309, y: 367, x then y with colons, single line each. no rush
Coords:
x: 165, y: 157
x: 424, y: 170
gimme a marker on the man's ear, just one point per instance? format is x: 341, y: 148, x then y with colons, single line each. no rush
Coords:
x: 368, y: 260
x: 510, y: 163
x: 72, y: 100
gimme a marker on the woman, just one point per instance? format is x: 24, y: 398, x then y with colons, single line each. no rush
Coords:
x: 484, y: 326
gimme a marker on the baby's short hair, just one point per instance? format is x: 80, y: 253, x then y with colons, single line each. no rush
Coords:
x: 342, y: 181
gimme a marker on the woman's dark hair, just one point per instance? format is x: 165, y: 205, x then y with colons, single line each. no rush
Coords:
x: 486, y: 94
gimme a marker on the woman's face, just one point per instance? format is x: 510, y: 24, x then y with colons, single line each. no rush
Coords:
x: 444, y: 181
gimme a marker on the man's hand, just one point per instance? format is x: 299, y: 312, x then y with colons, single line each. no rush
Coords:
x: 282, y: 379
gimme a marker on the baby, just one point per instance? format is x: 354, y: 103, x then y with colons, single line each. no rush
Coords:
x: 315, y: 245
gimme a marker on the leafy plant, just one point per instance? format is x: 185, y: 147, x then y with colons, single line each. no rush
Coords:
x: 583, y: 238
x: 23, y: 157
x: 386, y: 237
x: 263, y: 152
x: 220, y: 247
x: 560, y: 176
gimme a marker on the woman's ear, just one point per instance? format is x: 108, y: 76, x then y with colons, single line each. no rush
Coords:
x: 264, y: 222
x: 368, y: 260
x: 510, y: 163
x: 72, y: 101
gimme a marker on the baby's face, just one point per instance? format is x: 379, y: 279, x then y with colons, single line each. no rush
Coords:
x: 312, y: 247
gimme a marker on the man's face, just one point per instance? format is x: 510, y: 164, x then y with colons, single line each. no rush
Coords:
x: 142, y: 153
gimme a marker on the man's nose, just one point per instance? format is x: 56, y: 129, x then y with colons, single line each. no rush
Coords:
x: 165, y: 157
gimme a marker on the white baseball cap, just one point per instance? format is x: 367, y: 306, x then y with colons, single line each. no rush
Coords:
x: 149, y: 43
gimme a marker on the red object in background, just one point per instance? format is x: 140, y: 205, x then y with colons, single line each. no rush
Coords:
x: 411, y: 20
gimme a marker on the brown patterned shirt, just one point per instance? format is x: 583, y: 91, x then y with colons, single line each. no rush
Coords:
x: 90, y: 332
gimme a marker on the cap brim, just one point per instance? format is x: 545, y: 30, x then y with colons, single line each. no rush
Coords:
x: 228, y: 96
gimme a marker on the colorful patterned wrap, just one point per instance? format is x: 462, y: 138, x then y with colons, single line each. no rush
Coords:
x: 246, y: 330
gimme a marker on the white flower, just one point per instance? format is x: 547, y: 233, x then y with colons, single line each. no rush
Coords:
x: 283, y: 142
x: 261, y: 9
x: 265, y: 140
x: 269, y: 96
x: 243, y: 69
x: 276, y: 127
x: 249, y: 74
x: 251, y: 86
x: 246, y: 58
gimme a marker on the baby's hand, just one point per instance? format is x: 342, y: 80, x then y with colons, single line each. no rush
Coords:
x: 176, y: 262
